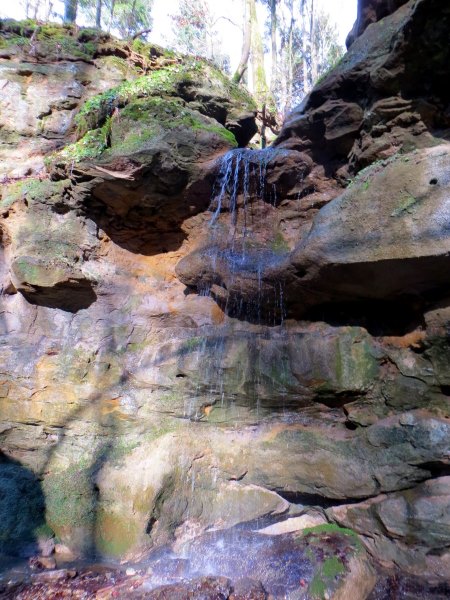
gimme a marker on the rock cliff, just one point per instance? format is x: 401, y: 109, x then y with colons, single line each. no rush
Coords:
x: 193, y: 339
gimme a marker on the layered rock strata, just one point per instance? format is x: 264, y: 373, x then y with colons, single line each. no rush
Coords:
x: 158, y: 382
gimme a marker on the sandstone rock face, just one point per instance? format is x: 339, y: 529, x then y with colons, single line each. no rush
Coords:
x: 371, y: 11
x: 418, y: 519
x: 198, y: 339
x: 406, y: 252
x: 382, y: 97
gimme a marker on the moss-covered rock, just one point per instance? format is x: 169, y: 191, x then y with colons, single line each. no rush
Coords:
x: 49, y: 245
x: 193, y: 81
x: 418, y: 519
x: 49, y: 40
x: 142, y: 125
x: 342, y: 362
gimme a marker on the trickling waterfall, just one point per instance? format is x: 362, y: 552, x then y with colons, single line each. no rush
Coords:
x: 242, y: 171
x: 240, y: 199
x: 241, y: 187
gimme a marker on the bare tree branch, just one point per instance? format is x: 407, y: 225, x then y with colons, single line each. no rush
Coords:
x: 142, y: 32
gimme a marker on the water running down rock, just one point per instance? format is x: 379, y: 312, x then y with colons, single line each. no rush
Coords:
x: 179, y: 375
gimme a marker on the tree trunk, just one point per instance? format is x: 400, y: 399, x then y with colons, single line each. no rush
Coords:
x: 111, y: 14
x: 98, y: 14
x: 130, y: 18
x: 304, y: 33
x: 260, y: 90
x: 36, y: 9
x: 290, y: 86
x: 49, y: 11
x: 70, y: 11
x: 273, y: 37
x: 313, y: 56
x: 245, y: 55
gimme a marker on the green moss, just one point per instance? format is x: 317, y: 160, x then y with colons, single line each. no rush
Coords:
x: 122, y: 448
x: 92, y: 145
x: 338, y: 61
x: 237, y: 92
x: 43, y: 531
x: 406, y: 204
x: 328, y: 528
x: 33, y: 190
x: 151, y: 100
x: 325, y: 578
x: 12, y: 40
x: 166, y: 81
x: 123, y: 66
x: 115, y: 534
x: 279, y: 244
x: 365, y: 175
x: 192, y: 343
x: 280, y: 373
x: 69, y: 497
x: 138, y: 46
x: 220, y: 131
x: 97, y: 109
x: 52, y: 39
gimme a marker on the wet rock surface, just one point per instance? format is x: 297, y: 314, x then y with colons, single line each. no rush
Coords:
x: 194, y: 340
x: 234, y: 565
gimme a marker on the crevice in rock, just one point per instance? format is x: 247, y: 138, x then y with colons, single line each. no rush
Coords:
x: 309, y: 500
x: 339, y: 399
x: 379, y: 317
x: 436, y: 469
x: 70, y: 296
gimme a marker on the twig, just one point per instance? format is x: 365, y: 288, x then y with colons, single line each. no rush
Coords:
x: 139, y: 33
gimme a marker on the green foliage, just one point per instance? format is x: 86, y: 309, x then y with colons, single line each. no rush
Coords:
x: 324, y: 542
x: 325, y: 45
x: 131, y: 16
x: 195, y: 32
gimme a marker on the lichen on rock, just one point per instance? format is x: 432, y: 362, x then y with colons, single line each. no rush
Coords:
x: 187, y: 358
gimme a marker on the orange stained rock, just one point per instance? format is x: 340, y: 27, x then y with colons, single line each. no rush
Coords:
x: 112, y: 406
x: 410, y: 340
x: 217, y: 315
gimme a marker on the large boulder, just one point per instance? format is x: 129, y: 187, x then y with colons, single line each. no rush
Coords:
x: 417, y: 519
x: 48, y: 245
x: 382, y: 96
x: 385, y: 237
x: 371, y: 11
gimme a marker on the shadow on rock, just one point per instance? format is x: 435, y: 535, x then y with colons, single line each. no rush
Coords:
x: 22, y: 509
